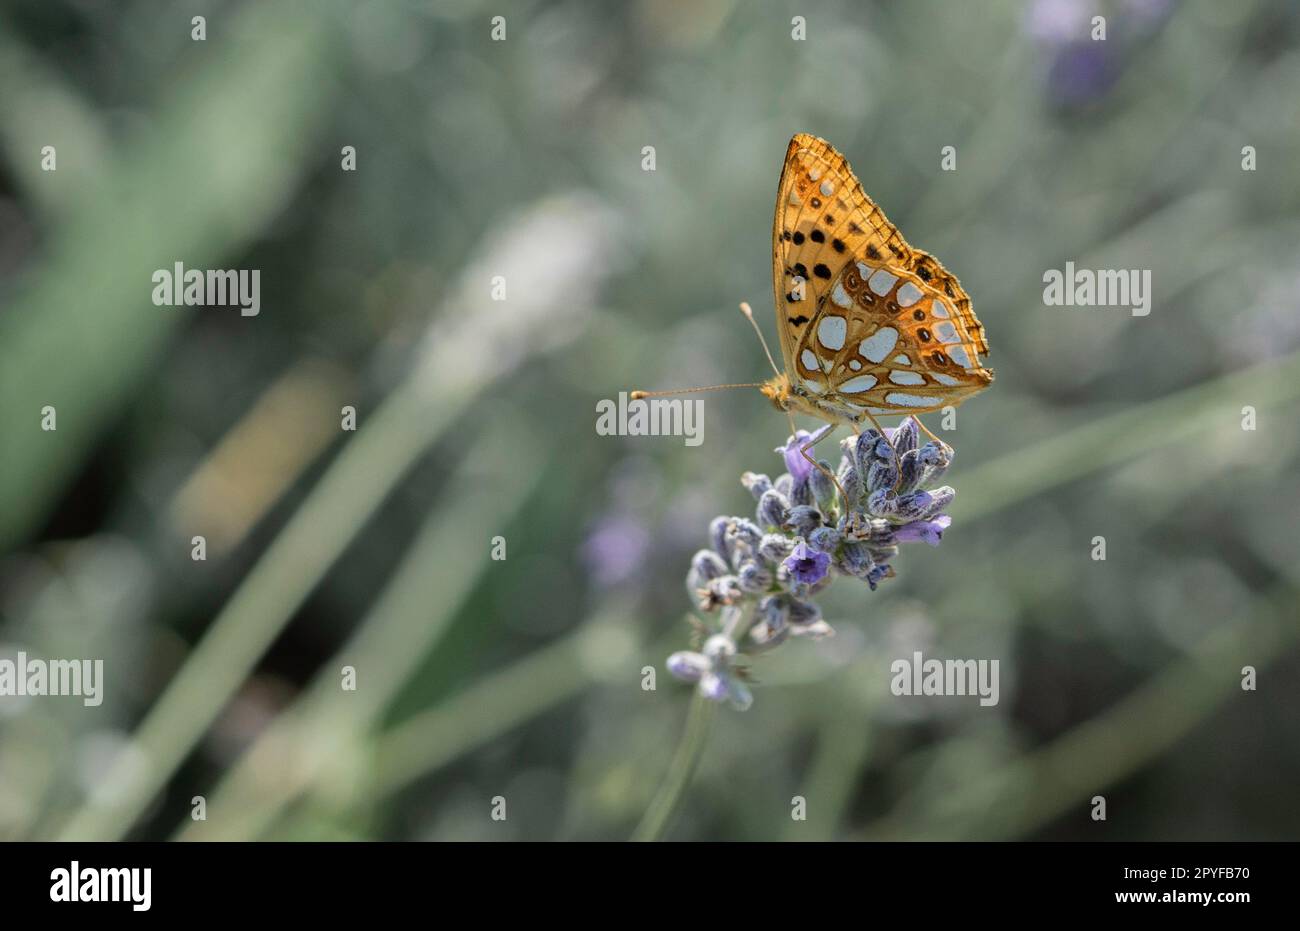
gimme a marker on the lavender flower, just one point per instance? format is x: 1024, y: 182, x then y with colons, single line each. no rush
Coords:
x: 762, y: 576
x: 798, y: 467
x: 806, y: 565
x: 713, y: 671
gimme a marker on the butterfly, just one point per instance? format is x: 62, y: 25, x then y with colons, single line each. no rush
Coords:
x: 869, y: 325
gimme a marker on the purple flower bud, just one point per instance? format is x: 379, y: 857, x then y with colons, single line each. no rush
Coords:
x: 910, y: 471
x: 862, y: 450
x: 815, y: 631
x: 801, y: 493
x: 765, y: 637
x: 855, y: 559
x: 754, y: 578
x: 688, y: 666
x: 757, y: 483
x: 883, y: 475
x: 881, y: 555
x: 784, y: 484
x: 774, y: 612
x: 795, y: 463
x: 718, y: 537
x: 719, y: 593
x: 906, y: 437
x: 773, y: 509
x: 726, y: 590
x: 879, y: 574
x: 927, y: 531
x: 738, y: 694
x: 882, y: 503
x: 940, y: 498
x: 713, y: 686
x: 824, y: 539
x: 746, y: 532
x: 708, y: 566
x: 823, y: 489
x: 803, y: 613
x: 805, y: 565
x: 719, y: 648
x: 934, y: 460
x: 913, y: 506
x: 775, y: 547
x: 802, y: 520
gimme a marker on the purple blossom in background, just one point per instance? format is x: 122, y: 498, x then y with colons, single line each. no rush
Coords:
x: 1058, y: 21
x: 614, y: 549
x: 1081, y: 69
x: 1082, y: 72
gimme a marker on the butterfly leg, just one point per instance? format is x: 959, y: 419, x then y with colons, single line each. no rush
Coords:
x: 926, y: 431
x: 803, y: 451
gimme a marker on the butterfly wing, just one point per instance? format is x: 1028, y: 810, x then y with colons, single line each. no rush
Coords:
x: 822, y: 219
x: 866, y: 321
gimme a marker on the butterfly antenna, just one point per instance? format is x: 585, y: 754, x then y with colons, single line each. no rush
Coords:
x: 638, y: 395
x: 749, y: 315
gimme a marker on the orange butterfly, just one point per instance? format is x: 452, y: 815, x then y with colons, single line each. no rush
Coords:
x: 868, y: 325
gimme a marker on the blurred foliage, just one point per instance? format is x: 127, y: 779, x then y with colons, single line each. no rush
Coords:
x: 522, y: 678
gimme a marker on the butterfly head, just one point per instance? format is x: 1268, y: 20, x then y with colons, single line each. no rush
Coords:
x: 785, y: 397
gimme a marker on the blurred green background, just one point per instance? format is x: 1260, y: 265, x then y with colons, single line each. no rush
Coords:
x: 522, y: 158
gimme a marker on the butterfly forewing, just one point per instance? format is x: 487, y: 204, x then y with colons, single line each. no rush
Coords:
x: 866, y: 322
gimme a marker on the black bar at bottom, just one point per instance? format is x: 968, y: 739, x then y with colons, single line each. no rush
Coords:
x: 337, y: 880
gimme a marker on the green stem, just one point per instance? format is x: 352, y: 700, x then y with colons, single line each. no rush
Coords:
x: 658, y: 817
